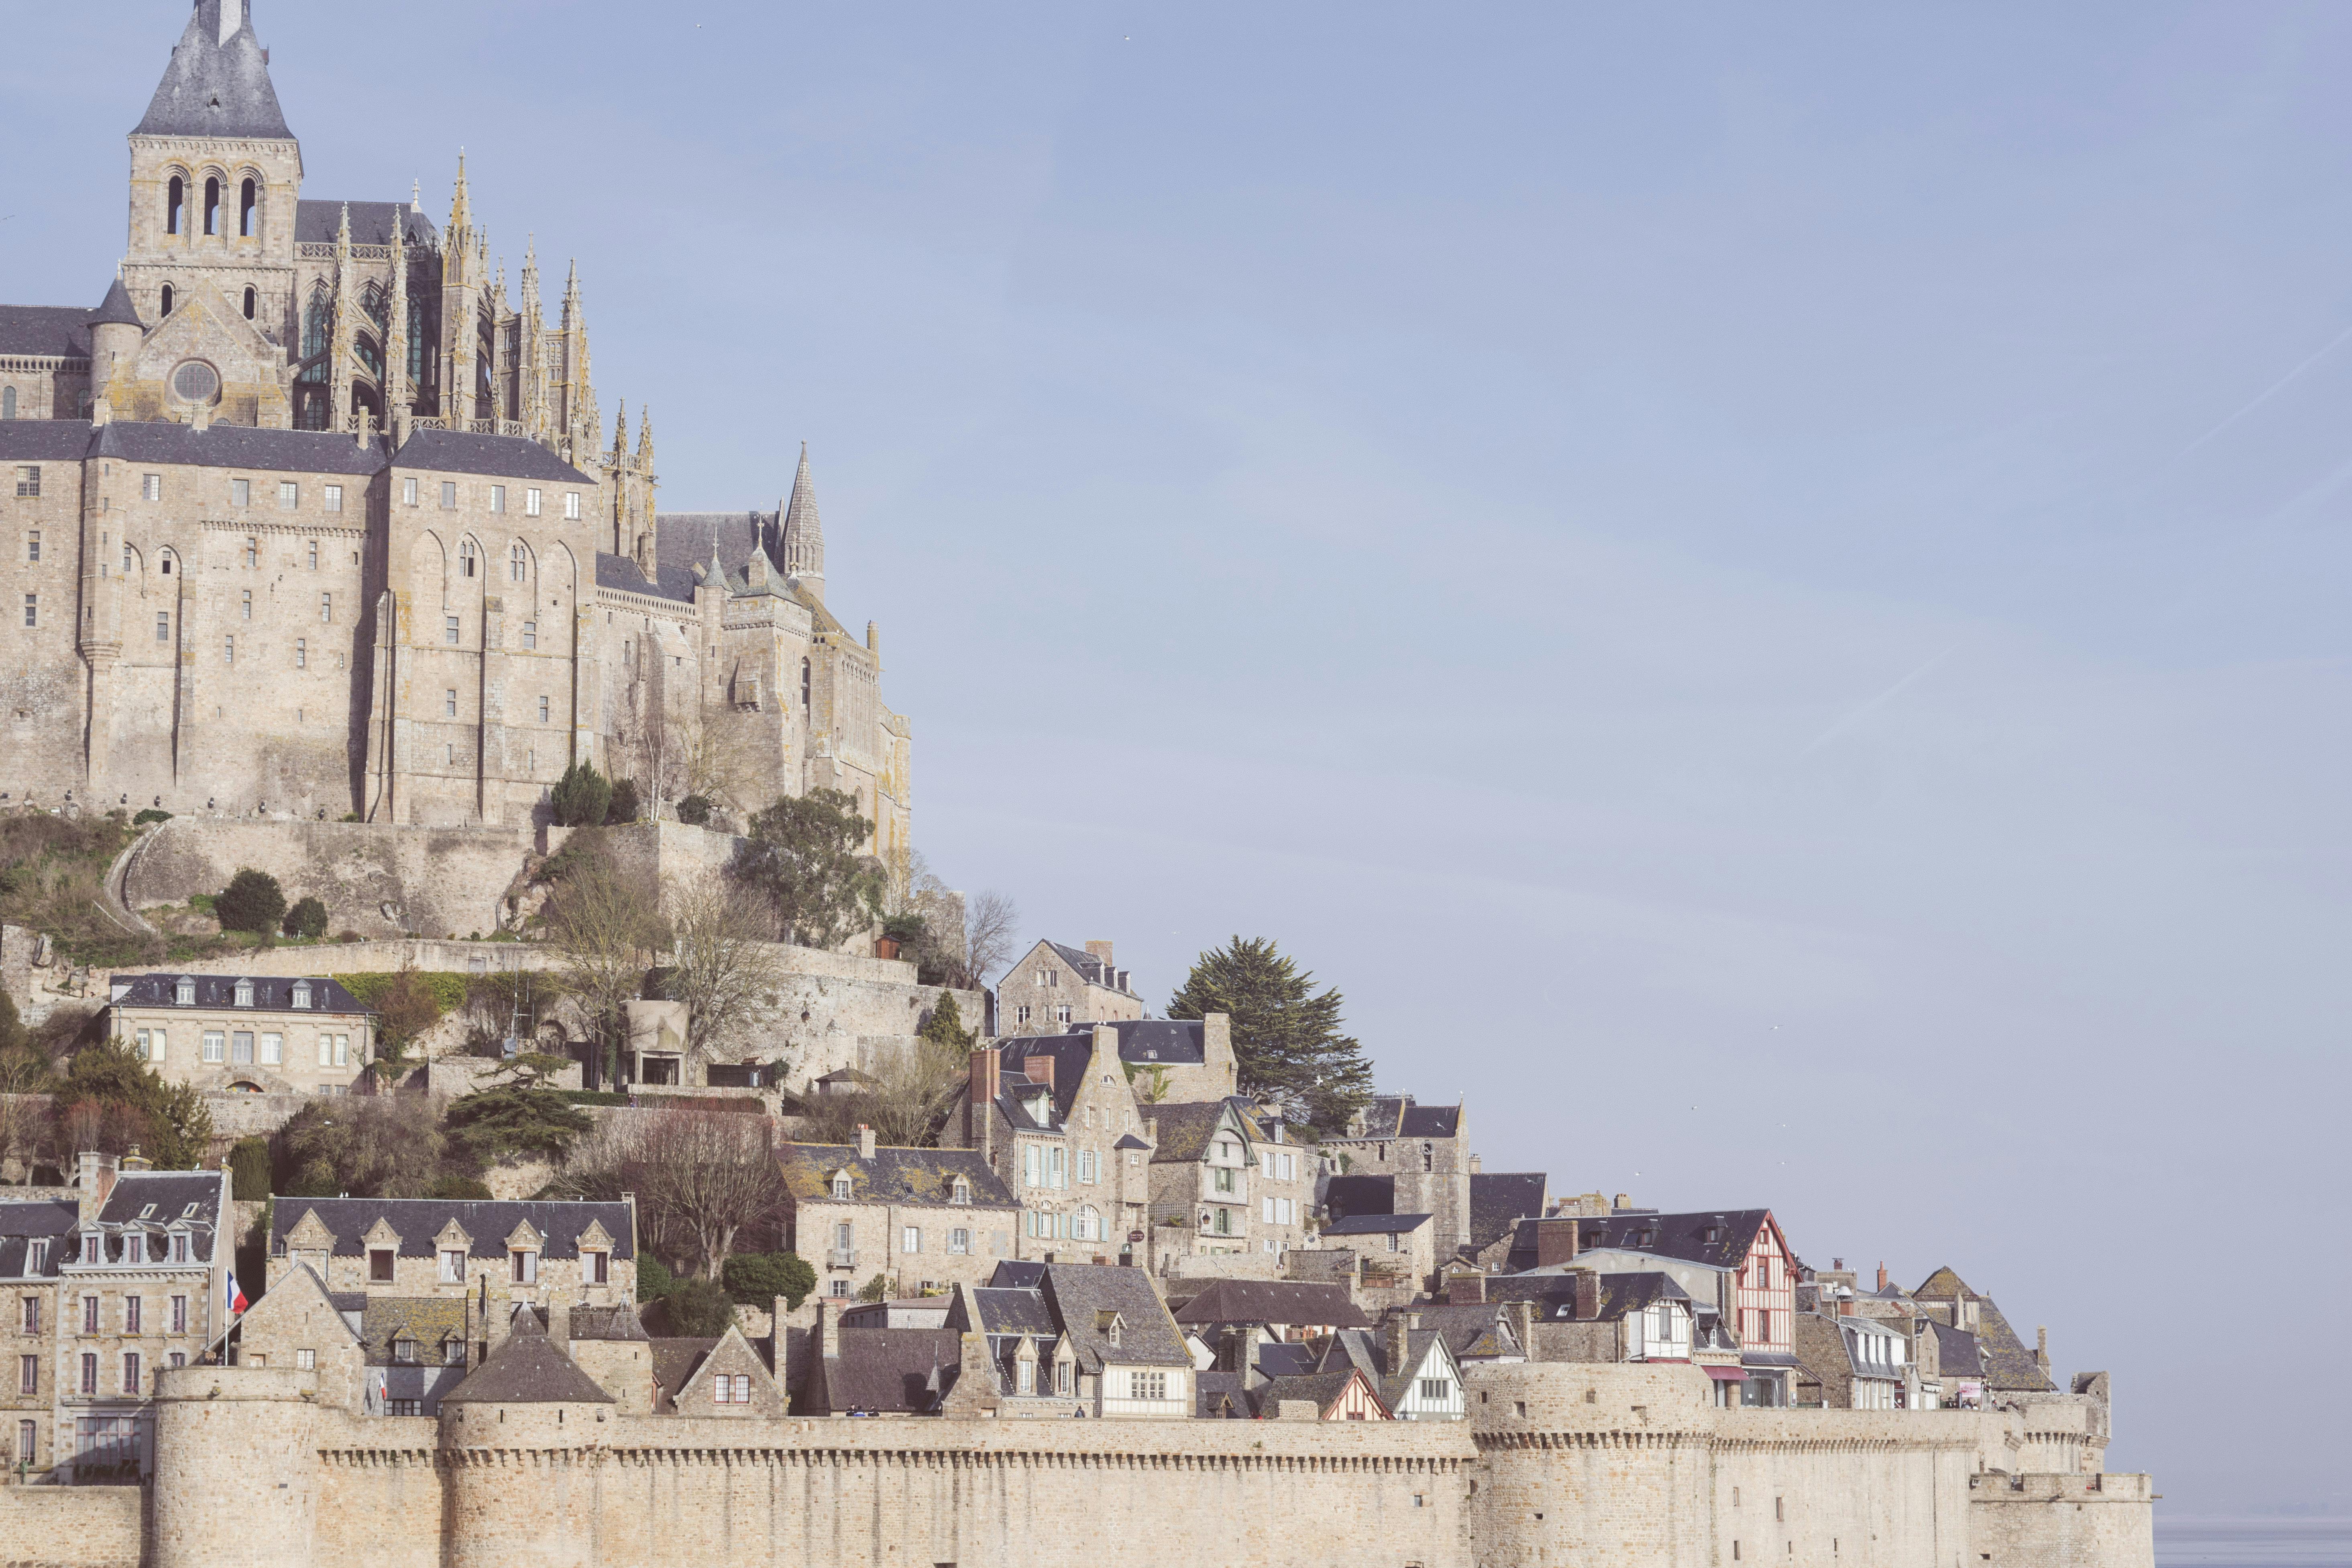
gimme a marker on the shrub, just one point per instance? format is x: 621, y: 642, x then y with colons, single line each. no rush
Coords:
x: 694, y: 810
x: 457, y: 1187
x: 149, y: 814
x: 249, y: 1166
x: 654, y: 1280
x: 757, y: 1279
x: 581, y: 797
x: 347, y: 936
x: 307, y: 917
x: 623, y: 806
x: 874, y: 1289
x: 698, y: 1309
x: 252, y: 901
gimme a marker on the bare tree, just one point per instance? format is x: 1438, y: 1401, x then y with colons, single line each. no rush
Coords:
x: 992, y: 924
x: 605, y: 919
x: 910, y: 1090
x: 707, y: 1174
x: 724, y: 959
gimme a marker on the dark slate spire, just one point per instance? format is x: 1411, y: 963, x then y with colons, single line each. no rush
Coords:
x: 116, y: 309
x: 218, y: 81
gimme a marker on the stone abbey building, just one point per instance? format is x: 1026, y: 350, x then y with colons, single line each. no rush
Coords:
x: 309, y: 515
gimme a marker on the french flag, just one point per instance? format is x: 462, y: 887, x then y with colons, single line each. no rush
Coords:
x: 236, y: 1301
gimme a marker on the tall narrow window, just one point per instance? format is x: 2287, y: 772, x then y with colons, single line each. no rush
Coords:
x: 33, y: 544
x: 302, y: 658
x: 212, y: 204
x: 530, y: 503
x: 247, y: 198
x: 175, y: 205
x: 449, y: 703
x: 543, y: 709
x: 252, y: 302
x: 228, y: 650
x: 517, y: 563
x: 530, y: 634
x: 32, y: 609
x: 571, y: 505
x: 167, y: 299
x: 464, y: 557
x: 497, y: 498
x: 252, y: 549
x: 151, y: 488
x: 326, y: 607
x: 245, y: 608
x: 163, y: 626
x: 7, y: 403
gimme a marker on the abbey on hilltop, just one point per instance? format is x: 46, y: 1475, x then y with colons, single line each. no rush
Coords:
x: 308, y: 516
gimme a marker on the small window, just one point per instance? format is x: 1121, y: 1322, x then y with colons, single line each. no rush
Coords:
x: 32, y: 609
x: 404, y: 1352
x: 334, y: 502
x: 530, y: 634
x: 228, y: 650
x: 518, y: 558
x: 252, y: 302
x: 167, y: 299
x: 301, y: 661
x: 958, y: 1241
x: 841, y: 1186
x: 600, y: 1266
x: 245, y: 993
x: 306, y: 1361
x: 381, y: 1260
x: 571, y: 505
x: 453, y: 1259
x: 163, y: 626
x: 465, y: 558
x: 28, y: 480
x: 449, y: 628
x: 448, y: 495
x: 245, y: 610
x: 450, y: 702
x: 33, y: 544
x: 543, y: 709
x: 240, y: 493
x: 326, y: 607
x: 497, y: 498
x: 151, y: 488
x: 302, y: 994
x: 524, y: 1267
x: 530, y: 503
x: 408, y: 492
x: 289, y: 495
x: 911, y: 1238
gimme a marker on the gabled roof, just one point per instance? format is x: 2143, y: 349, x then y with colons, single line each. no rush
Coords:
x: 496, y: 456
x: 686, y: 540
x: 528, y: 1368
x: 1072, y: 1054
x: 24, y: 1219
x: 1092, y: 970
x: 431, y: 1321
x: 215, y: 86
x: 190, y: 1195
x: 236, y: 447
x: 46, y: 332
x: 1376, y: 1224
x: 2011, y: 1365
x: 1273, y: 1302
x: 1323, y: 1389
x: 893, y: 1371
x: 894, y: 1175
x: 1479, y: 1331
x: 1615, y: 1294
x: 1429, y: 1120
x: 1080, y: 1301
x: 1368, y: 1349
x: 621, y: 574
x: 318, y: 222
x: 1958, y: 1353
x: 1346, y: 1195
x: 418, y: 1221
x: 1717, y: 1238
x: 1186, y: 1129
x: 1161, y: 1042
x: 217, y: 992
x: 1498, y: 1198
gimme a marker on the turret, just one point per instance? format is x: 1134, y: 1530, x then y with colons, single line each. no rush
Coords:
x: 114, y: 334
x: 804, y: 534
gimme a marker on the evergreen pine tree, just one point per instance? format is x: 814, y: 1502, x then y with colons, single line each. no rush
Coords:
x: 1287, y: 1047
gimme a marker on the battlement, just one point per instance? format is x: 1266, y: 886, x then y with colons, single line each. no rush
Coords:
x: 1993, y: 1487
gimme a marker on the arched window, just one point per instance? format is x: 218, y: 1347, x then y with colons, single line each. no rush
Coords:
x: 175, y: 206
x: 252, y: 300
x: 378, y: 309
x: 247, y: 198
x: 212, y: 204
x: 519, y: 564
x: 804, y: 683
x: 465, y: 557
x: 167, y: 299
x: 417, y: 339
x: 7, y: 403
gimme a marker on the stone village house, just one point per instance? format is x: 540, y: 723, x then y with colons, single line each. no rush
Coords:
x: 920, y: 1219
x: 257, y: 1033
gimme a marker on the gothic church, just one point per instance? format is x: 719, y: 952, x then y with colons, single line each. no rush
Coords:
x: 309, y: 517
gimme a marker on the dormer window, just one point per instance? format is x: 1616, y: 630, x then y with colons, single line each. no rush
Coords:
x: 245, y: 993
x: 93, y: 1247
x: 1115, y: 1333
x: 841, y: 1186
x: 301, y: 993
x: 184, y: 993
x: 404, y: 1352
x: 962, y: 1191
x: 134, y: 1247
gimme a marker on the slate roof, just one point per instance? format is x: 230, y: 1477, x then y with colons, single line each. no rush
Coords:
x: 24, y: 1219
x: 1472, y: 1330
x: 45, y: 331
x: 417, y: 1221
x: 1180, y: 1042
x: 1079, y: 1297
x: 893, y: 1371
x: 237, y: 447
x: 430, y: 1321
x: 1958, y: 1353
x: 497, y: 457
x: 43, y: 440
x: 528, y: 1368
x: 116, y: 309
x: 1429, y: 1120
x: 1186, y: 1129
x: 190, y: 1197
x: 1273, y: 1302
x: 684, y: 539
x: 1005, y: 1311
x: 1376, y: 1224
x: 1368, y: 1349
x: 1678, y: 1235
x: 214, y: 993
x: 1092, y: 970
x: 615, y: 1322
x: 1072, y: 1054
x: 1618, y: 1294
x: 621, y: 574
x: 2011, y: 1365
x: 1324, y: 1388
x: 1286, y: 1358
x: 925, y: 1176
x: 1499, y: 1198
x: 1346, y: 1195
x: 317, y: 222
x: 1221, y: 1395
x: 215, y: 87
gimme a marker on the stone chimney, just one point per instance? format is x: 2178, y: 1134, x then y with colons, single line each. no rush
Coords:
x: 1555, y: 1242
x: 1882, y: 1275
x: 1100, y: 952
x: 1466, y: 1290
x: 1625, y: 1201
x: 978, y: 1125
x: 1477, y: 1164
x: 94, y: 1176
x: 135, y: 1161
x: 828, y: 1331
x: 1523, y: 1323
x: 2041, y: 1349
x: 1040, y: 1068
x: 864, y: 1141
x: 1393, y: 1343
x: 1587, y: 1295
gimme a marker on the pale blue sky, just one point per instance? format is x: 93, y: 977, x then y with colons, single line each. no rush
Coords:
x: 1744, y: 585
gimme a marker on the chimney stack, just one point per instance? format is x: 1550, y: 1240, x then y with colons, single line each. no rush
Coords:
x: 1587, y: 1295
x: 1466, y: 1290
x: 864, y: 1141
x: 1624, y: 1202
x: 94, y: 1174
x: 1100, y: 952
x: 1882, y: 1275
x: 1393, y: 1344
x: 1555, y: 1242
x: 828, y: 1331
x: 1477, y: 1164
x: 1040, y: 1068
x: 2041, y: 1348
x: 978, y: 1125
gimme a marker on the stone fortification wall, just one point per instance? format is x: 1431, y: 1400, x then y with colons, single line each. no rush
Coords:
x: 434, y: 881
x: 2062, y: 1521
x: 71, y: 1527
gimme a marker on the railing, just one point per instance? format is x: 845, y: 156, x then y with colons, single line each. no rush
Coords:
x: 841, y: 1257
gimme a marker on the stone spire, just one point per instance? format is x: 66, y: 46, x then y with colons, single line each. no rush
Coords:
x: 218, y: 84
x: 397, y: 393
x: 804, y: 534
x: 461, y: 286
x: 648, y: 521
x: 342, y: 351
